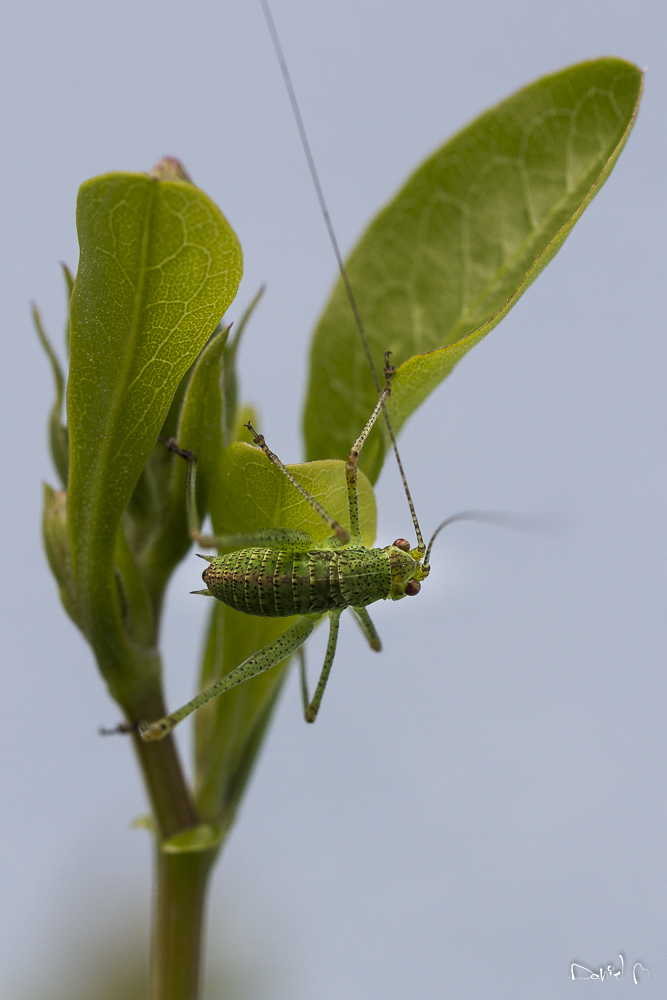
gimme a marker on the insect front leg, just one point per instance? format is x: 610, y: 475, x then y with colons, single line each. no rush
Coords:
x: 260, y: 442
x: 269, y: 656
x: 351, y: 466
x: 311, y: 708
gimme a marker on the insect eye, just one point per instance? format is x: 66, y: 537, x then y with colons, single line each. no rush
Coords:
x: 402, y: 543
x: 412, y: 588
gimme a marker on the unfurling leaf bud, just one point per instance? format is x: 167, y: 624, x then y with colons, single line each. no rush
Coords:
x: 56, y: 543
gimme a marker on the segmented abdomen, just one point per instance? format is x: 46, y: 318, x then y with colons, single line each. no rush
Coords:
x: 274, y: 584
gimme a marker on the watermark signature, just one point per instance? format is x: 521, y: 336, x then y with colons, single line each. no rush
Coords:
x: 639, y: 973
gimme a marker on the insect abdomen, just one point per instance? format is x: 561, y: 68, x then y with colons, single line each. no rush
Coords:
x: 275, y: 584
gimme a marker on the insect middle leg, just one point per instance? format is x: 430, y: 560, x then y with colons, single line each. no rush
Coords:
x: 268, y: 538
x: 311, y: 707
x: 368, y: 628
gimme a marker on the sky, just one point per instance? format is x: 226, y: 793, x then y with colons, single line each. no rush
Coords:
x: 484, y: 803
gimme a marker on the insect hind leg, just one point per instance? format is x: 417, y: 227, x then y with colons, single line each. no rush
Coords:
x: 269, y: 656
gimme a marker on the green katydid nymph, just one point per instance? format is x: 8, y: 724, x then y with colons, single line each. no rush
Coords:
x: 282, y: 572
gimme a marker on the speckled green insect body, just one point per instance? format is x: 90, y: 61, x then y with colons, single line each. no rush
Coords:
x: 310, y: 580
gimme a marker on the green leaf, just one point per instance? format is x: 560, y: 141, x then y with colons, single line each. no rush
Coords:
x: 203, y: 837
x: 229, y: 730
x: 149, y: 504
x: 58, y: 438
x: 143, y: 822
x: 461, y: 242
x: 136, y: 606
x: 250, y: 494
x: 229, y: 378
x: 159, y: 265
x: 199, y: 430
x: 69, y: 287
x: 56, y: 544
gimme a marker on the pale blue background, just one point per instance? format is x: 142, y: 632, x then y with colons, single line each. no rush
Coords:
x: 485, y: 802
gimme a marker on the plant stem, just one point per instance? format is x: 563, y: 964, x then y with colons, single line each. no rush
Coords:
x: 178, y: 924
x: 169, y: 795
x: 180, y: 888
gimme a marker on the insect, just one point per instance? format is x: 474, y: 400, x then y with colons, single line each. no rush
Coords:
x: 281, y: 572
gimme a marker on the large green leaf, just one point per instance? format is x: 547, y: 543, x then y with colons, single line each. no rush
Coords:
x: 462, y: 240
x: 159, y: 265
x: 249, y: 494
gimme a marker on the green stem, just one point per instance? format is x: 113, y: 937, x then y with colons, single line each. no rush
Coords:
x: 168, y: 792
x: 181, y: 879
x: 178, y: 924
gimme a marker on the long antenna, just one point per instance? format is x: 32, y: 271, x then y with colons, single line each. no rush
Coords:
x: 334, y: 242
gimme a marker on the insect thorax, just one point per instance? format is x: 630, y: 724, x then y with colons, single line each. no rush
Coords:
x: 276, y: 583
